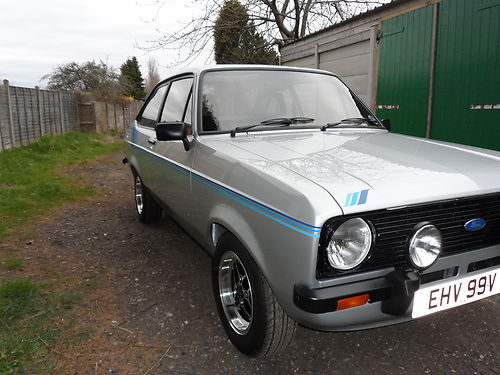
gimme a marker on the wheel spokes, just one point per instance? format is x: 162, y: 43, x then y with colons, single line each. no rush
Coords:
x: 138, y: 195
x: 235, y: 292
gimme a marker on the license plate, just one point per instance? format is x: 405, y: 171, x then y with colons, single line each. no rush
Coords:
x: 451, y: 294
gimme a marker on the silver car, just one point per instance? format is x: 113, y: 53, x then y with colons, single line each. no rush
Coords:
x: 314, y: 213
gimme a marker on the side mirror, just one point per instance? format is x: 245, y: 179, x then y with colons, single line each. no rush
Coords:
x: 172, y: 131
x: 387, y: 123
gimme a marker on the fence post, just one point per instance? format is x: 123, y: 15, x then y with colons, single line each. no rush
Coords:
x: 125, y: 122
x: 1, y: 132
x: 61, y: 112
x: 27, y: 125
x: 39, y: 95
x: 78, y: 124
x: 11, y: 120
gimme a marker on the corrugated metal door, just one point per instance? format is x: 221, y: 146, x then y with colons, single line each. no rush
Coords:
x: 350, y: 63
x: 404, y: 69
x: 467, y: 85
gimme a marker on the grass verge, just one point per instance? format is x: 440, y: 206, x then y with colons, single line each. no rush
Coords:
x: 30, y: 177
x: 36, y: 317
x: 32, y: 317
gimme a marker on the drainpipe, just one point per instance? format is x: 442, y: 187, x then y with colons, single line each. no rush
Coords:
x: 316, y: 55
x: 432, y: 69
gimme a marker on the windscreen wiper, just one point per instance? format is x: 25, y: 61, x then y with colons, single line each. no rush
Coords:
x: 283, y: 121
x: 351, y: 120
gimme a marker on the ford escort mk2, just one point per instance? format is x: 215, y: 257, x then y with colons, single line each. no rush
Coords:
x: 313, y: 212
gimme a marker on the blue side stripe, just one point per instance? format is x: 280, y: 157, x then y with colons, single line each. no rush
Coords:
x: 170, y: 165
x: 263, y: 210
x: 239, y: 197
x: 268, y: 209
x: 134, y: 135
x: 255, y: 209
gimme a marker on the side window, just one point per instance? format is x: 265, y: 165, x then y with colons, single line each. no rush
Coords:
x: 150, y: 113
x: 177, y: 98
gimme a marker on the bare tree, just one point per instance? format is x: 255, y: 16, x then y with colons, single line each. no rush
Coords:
x: 96, y: 78
x: 279, y: 21
x: 153, y: 76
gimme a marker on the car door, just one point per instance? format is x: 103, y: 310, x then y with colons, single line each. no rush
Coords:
x: 144, y: 135
x: 171, y: 179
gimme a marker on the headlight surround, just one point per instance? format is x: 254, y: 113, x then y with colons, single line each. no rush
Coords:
x: 424, y: 246
x: 349, y: 244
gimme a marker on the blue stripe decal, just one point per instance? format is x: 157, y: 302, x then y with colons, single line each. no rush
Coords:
x: 354, y: 198
x: 262, y: 209
x: 362, y: 198
x: 348, y: 200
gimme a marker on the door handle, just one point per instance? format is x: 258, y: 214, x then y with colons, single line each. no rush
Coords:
x: 152, y: 141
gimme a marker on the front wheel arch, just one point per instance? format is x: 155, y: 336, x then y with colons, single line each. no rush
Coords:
x: 270, y: 330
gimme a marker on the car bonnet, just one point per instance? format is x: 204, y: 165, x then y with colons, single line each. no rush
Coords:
x: 372, y: 169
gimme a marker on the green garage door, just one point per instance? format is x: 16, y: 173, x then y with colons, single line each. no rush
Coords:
x: 404, y: 69
x: 466, y: 92
x: 467, y: 88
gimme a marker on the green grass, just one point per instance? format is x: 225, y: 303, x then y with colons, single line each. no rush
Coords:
x: 30, y: 177
x: 13, y: 263
x: 34, y: 315
x: 32, y: 318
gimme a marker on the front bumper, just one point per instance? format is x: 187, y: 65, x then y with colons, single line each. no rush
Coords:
x: 395, y: 291
x: 390, y: 297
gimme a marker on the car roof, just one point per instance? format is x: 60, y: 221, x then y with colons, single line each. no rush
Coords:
x: 220, y: 67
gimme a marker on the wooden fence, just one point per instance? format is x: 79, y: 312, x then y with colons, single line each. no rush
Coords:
x: 26, y: 114
x: 102, y: 116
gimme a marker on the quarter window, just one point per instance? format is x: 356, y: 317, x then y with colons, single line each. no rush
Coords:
x: 150, y: 114
x: 177, y: 98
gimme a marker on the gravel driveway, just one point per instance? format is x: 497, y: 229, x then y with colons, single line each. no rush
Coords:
x: 159, y: 316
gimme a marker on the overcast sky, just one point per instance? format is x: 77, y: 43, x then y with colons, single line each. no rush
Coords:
x: 36, y: 36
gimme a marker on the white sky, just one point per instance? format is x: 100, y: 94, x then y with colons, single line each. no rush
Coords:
x: 38, y: 35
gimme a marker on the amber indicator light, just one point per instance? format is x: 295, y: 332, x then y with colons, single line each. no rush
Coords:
x: 347, y: 303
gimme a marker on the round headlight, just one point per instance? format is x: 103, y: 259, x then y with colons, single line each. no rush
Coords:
x: 349, y: 244
x: 425, y: 246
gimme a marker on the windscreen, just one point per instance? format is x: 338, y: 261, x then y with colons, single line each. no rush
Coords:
x: 246, y: 97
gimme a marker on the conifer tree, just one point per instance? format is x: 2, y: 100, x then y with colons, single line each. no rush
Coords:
x: 132, y: 79
x: 237, y: 40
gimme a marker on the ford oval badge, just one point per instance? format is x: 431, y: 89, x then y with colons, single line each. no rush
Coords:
x: 475, y: 224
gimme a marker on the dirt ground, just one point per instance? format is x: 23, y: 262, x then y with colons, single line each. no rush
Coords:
x: 152, y: 310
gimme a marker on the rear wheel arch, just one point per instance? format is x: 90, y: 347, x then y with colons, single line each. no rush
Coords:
x: 133, y: 169
x: 134, y: 165
x: 148, y: 210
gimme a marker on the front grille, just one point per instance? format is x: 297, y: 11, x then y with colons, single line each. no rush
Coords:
x: 393, y: 226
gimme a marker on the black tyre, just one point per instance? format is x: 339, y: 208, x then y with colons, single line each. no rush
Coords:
x: 148, y: 210
x: 250, y: 313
